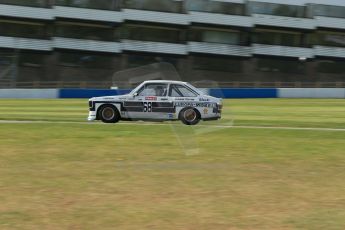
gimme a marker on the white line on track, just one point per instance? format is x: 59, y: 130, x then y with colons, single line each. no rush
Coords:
x: 151, y: 123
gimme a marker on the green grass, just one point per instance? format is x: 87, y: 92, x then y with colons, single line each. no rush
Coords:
x: 133, y: 176
x: 327, y: 113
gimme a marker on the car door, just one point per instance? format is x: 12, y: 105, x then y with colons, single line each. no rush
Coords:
x: 150, y: 102
x: 183, y: 96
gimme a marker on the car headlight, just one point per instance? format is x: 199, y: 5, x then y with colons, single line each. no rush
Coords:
x: 219, y: 107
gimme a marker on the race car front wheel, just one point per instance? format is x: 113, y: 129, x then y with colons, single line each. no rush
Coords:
x: 189, y: 116
x: 109, y: 114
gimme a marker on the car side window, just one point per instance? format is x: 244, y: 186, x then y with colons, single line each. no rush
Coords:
x: 154, y: 89
x: 181, y: 91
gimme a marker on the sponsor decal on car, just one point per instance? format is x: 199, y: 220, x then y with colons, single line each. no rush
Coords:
x: 204, y: 99
x: 151, y: 98
x: 195, y: 104
x: 184, y: 99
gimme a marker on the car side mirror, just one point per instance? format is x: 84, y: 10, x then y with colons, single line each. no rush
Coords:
x: 135, y: 94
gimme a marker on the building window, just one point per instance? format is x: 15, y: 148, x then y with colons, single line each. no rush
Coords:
x: 215, y: 7
x: 90, y: 61
x: 280, y: 66
x: 134, y: 61
x: 31, y: 59
x: 330, y: 39
x: 277, y: 9
x: 221, y: 37
x: 23, y: 29
x: 154, y: 5
x: 221, y: 64
x: 270, y: 37
x: 217, y: 36
x: 329, y: 11
x: 33, y: 3
x: 92, y: 4
x: 8, y: 63
x: 7, y: 58
x: 85, y: 31
x: 332, y: 67
x: 156, y: 34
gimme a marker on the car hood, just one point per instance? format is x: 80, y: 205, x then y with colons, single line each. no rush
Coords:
x: 210, y: 98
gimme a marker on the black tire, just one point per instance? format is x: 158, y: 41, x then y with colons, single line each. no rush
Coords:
x: 109, y: 114
x: 189, y: 116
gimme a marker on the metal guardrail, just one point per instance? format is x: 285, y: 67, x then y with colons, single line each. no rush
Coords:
x: 206, y: 84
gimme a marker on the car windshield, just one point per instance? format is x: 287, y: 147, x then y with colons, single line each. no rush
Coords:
x: 177, y: 90
x: 194, y: 89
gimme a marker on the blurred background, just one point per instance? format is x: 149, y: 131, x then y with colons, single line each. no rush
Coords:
x: 237, y: 43
x: 274, y: 161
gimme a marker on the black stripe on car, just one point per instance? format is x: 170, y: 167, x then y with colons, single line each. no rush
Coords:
x: 163, y: 110
x: 133, y: 104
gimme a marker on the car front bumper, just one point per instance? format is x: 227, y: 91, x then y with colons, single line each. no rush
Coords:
x: 92, y: 116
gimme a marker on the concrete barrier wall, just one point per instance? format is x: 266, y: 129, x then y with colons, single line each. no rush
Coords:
x: 222, y: 93
x: 29, y: 93
x: 243, y: 93
x: 88, y: 93
x: 311, y: 93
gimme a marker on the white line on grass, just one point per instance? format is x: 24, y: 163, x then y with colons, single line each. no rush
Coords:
x: 151, y: 123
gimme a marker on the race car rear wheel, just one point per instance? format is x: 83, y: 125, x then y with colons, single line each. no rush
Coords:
x: 109, y: 114
x: 189, y: 116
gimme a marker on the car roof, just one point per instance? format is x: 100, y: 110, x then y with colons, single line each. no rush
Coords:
x: 165, y: 81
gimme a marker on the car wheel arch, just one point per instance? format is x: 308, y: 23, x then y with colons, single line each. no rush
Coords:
x: 181, y: 117
x: 102, y: 106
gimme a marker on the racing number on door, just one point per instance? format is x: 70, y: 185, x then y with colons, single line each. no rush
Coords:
x: 148, y: 107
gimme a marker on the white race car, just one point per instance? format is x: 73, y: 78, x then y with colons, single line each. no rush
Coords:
x: 157, y: 100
